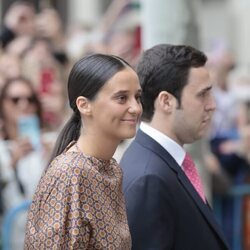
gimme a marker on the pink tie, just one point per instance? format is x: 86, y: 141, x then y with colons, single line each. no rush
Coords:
x: 192, y: 174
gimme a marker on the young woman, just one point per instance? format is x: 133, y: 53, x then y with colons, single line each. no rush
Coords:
x: 79, y: 203
x: 21, y: 162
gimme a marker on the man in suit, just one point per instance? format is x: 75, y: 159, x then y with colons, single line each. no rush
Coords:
x: 165, y: 203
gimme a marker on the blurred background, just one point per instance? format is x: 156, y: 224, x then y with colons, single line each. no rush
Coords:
x: 40, y: 40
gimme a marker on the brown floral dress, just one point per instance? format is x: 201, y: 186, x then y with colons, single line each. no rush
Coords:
x: 78, y: 204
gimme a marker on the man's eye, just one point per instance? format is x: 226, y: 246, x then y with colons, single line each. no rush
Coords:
x: 203, y: 94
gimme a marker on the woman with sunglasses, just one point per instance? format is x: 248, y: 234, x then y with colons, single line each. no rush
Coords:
x: 21, y: 160
x: 79, y: 202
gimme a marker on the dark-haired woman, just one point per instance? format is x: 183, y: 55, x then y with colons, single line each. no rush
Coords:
x: 21, y: 163
x: 79, y: 203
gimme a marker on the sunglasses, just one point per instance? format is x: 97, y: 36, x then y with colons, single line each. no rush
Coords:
x: 16, y: 99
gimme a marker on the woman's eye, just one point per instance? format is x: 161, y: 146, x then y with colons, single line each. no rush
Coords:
x: 138, y: 98
x: 122, y: 99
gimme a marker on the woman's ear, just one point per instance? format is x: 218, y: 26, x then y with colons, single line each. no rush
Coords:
x: 166, y: 101
x: 83, y: 105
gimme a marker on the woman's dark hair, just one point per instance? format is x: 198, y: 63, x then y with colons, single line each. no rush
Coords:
x: 3, y: 95
x: 86, y: 78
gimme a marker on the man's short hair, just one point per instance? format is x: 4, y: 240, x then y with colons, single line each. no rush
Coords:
x: 166, y: 67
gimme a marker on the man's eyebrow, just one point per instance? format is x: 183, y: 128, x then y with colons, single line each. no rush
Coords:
x: 205, y: 89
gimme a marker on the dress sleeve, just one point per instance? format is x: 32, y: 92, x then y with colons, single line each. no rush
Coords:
x: 58, y: 218
x: 77, y: 218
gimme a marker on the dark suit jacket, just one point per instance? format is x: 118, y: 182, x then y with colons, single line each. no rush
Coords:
x: 164, y: 210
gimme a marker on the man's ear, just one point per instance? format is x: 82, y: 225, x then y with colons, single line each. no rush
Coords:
x: 166, y: 101
x: 83, y: 105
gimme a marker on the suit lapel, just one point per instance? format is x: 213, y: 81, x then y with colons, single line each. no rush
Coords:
x: 204, y: 208
x: 148, y: 142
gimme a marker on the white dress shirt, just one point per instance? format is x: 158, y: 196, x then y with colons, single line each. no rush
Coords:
x: 173, y: 148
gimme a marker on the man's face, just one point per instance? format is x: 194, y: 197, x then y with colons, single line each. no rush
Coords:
x: 191, y: 120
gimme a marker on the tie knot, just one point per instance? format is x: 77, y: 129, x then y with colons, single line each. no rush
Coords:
x: 188, y: 162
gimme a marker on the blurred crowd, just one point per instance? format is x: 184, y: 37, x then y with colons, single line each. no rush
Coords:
x: 229, y: 145
x: 35, y: 57
x: 36, y: 53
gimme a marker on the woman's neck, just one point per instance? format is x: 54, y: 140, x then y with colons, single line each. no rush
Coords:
x: 97, y: 147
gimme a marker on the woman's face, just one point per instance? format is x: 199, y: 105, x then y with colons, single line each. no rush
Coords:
x: 18, y: 101
x: 117, y: 107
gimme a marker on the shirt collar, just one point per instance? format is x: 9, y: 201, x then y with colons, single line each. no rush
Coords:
x: 173, y: 148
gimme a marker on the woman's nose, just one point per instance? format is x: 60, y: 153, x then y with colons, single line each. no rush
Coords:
x: 23, y: 104
x: 135, y: 108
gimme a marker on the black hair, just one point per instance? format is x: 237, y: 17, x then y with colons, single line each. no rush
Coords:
x: 165, y: 67
x: 86, y: 78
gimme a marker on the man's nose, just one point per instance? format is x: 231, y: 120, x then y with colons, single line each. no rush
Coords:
x: 211, y: 106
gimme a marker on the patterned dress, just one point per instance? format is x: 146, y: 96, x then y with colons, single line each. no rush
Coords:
x: 78, y: 204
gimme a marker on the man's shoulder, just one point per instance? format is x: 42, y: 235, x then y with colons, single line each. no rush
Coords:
x: 139, y: 162
x: 137, y: 155
x: 142, y: 153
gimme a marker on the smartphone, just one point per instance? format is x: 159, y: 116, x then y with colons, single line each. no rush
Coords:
x: 28, y: 126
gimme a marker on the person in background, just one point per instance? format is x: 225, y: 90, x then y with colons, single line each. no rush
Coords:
x: 10, y: 66
x: 18, y: 21
x: 48, y: 76
x: 165, y: 201
x: 21, y: 23
x: 228, y: 140
x: 49, y: 26
x: 21, y: 162
x: 79, y: 203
